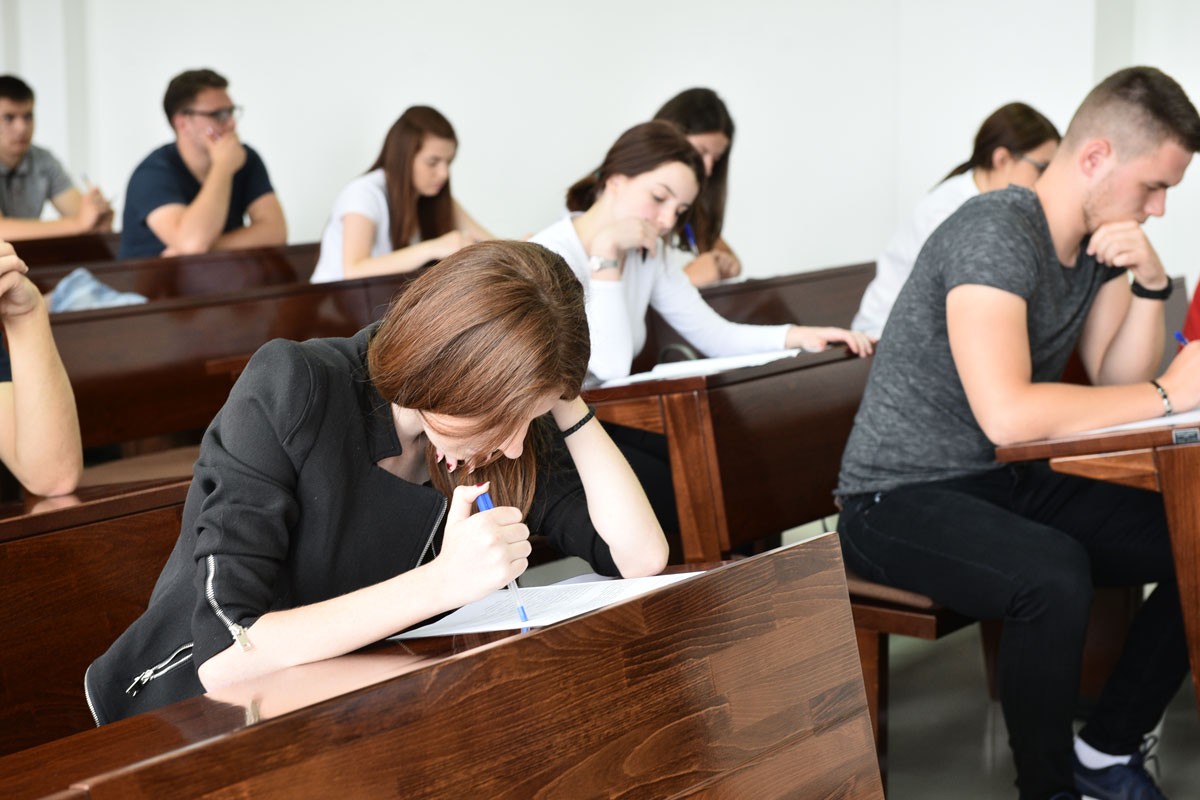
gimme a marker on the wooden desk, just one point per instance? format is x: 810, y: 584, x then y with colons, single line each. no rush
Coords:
x: 226, y: 272
x: 753, y: 451
x: 743, y: 682
x: 1162, y: 459
x: 83, y: 248
x: 76, y: 571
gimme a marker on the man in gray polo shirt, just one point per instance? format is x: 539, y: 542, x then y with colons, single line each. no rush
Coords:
x: 971, y: 357
x: 30, y: 175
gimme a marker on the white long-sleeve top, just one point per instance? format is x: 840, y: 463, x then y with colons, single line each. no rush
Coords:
x: 616, y: 310
x: 895, y: 264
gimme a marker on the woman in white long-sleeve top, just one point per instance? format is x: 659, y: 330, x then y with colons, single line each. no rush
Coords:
x: 613, y: 242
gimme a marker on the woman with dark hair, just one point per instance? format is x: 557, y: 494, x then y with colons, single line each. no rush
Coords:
x: 1014, y: 145
x: 703, y: 117
x: 331, y: 502
x: 400, y: 215
x: 613, y: 242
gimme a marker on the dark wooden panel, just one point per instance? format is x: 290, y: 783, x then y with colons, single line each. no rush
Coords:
x: 69, y: 593
x: 84, y: 248
x: 224, y: 272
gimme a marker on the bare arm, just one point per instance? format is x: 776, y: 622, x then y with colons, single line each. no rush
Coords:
x: 195, y: 227
x: 616, y: 503
x: 358, y: 235
x: 465, y: 223
x: 267, y: 226
x: 39, y: 427
x: 81, y: 213
x: 990, y: 345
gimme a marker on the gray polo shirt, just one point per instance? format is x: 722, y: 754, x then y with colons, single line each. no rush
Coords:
x: 25, y: 188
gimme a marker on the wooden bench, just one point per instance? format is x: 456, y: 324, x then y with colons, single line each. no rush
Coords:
x: 742, y: 682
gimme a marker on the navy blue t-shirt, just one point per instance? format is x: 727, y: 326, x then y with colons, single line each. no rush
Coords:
x: 162, y: 179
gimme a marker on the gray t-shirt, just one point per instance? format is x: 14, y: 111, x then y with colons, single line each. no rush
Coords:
x: 25, y: 188
x: 915, y: 424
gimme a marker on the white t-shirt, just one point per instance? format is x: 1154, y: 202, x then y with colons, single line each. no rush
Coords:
x: 365, y: 195
x: 896, y: 263
x: 616, y: 310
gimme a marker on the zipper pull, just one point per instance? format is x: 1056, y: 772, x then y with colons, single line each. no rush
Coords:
x: 241, y: 637
x: 143, y: 679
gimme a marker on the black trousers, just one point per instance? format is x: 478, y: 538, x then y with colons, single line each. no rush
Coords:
x: 1025, y: 544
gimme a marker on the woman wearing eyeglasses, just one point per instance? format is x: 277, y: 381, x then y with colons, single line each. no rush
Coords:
x: 1014, y: 145
x: 400, y: 215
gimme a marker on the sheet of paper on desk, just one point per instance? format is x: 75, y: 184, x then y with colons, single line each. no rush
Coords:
x: 1186, y: 418
x: 702, y: 366
x: 545, y: 605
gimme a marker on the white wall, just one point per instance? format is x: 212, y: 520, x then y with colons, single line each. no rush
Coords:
x: 847, y: 112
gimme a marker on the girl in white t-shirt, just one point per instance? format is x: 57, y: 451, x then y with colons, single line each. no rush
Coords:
x: 705, y: 120
x: 400, y: 215
x: 613, y: 242
x: 1013, y: 145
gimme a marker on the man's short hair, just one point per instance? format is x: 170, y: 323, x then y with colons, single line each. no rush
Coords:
x: 15, y: 89
x: 1137, y: 109
x: 184, y: 87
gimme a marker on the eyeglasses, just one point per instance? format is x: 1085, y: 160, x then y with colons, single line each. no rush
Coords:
x: 1040, y: 166
x: 220, y: 116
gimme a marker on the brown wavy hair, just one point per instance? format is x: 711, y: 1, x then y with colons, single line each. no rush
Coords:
x: 1016, y: 127
x: 640, y: 149
x: 701, y: 110
x: 485, y: 335
x: 410, y: 212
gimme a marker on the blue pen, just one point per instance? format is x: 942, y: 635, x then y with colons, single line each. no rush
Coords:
x: 484, y: 501
x: 1179, y: 337
x: 690, y: 235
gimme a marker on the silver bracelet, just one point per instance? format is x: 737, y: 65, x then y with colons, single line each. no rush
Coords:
x: 1167, y: 410
x: 586, y: 419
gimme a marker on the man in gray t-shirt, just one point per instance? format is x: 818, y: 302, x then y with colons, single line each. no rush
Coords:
x: 31, y: 176
x: 971, y: 356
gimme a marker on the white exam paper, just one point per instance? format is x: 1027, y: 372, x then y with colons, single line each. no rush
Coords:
x: 1192, y: 417
x: 545, y: 605
x: 701, y: 366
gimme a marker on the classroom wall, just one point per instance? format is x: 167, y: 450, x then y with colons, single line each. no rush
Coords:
x: 847, y: 112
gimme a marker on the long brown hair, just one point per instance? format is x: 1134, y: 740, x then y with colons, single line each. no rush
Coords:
x: 1016, y: 127
x: 640, y: 149
x: 701, y: 110
x: 410, y: 212
x: 486, y: 334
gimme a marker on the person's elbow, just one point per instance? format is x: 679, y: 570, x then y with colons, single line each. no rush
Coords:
x: 190, y: 245
x: 648, y: 558
x: 59, y: 479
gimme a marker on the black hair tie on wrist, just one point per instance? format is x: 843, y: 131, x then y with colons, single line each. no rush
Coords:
x: 586, y: 419
x: 1151, y: 294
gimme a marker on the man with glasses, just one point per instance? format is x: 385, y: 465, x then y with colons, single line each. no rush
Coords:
x: 30, y: 176
x: 194, y: 195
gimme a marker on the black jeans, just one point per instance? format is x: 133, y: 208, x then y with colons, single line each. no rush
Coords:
x: 1024, y: 544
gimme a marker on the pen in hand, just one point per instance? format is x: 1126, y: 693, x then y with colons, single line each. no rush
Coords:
x: 484, y: 501
x: 1179, y: 337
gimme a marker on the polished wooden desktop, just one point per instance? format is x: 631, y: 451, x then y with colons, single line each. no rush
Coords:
x: 753, y: 451
x: 742, y: 682
x: 1164, y: 459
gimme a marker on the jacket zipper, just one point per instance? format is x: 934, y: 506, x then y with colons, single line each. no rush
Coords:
x: 432, y: 533
x: 157, y: 671
x: 236, y: 631
x: 87, y: 695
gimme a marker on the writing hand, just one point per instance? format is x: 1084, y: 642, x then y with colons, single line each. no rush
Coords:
x: 481, y: 552
x: 816, y: 339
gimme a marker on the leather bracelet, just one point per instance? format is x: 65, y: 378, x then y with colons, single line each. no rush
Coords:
x: 1151, y: 294
x: 586, y: 419
x: 1162, y: 393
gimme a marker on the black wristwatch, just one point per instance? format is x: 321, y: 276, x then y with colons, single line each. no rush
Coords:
x: 1151, y: 294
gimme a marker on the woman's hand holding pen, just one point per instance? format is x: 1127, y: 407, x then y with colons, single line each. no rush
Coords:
x: 816, y: 339
x: 481, y: 552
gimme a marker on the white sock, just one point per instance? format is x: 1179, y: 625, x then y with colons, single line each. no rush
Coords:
x: 1092, y: 758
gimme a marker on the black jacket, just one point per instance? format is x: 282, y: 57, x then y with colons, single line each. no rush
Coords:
x: 287, y: 507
